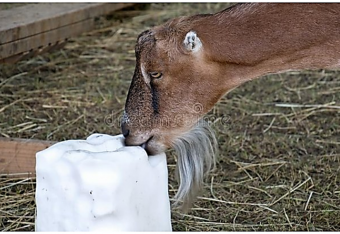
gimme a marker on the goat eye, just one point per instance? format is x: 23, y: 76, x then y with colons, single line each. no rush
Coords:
x: 156, y: 75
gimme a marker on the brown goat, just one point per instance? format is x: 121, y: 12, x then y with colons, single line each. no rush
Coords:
x: 186, y: 65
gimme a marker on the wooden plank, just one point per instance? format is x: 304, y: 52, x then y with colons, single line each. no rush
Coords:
x: 18, y: 155
x: 21, y: 22
x: 22, y: 25
x: 47, y: 38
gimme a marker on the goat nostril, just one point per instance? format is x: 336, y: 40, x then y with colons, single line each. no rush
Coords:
x: 126, y: 133
x: 125, y: 130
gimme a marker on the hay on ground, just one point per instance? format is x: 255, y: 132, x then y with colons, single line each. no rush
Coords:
x: 278, y: 168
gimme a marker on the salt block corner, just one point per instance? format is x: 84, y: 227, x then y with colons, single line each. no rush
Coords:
x: 100, y: 184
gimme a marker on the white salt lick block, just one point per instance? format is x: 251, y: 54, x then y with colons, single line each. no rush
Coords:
x: 98, y: 184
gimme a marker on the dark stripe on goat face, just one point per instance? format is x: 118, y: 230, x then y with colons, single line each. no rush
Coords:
x: 155, y: 99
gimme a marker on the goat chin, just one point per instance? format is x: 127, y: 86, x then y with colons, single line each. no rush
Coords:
x: 196, y: 151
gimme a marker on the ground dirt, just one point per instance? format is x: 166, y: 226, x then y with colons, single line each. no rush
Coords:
x: 279, y: 136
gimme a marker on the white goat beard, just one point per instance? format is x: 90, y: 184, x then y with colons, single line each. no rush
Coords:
x: 196, y: 152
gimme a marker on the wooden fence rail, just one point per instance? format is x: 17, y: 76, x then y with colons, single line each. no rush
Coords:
x: 36, y: 28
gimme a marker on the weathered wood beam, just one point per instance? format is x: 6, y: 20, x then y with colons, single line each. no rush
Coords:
x: 18, y: 155
x: 32, y: 27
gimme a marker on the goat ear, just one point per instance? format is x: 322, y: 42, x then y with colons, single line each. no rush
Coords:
x: 192, y: 42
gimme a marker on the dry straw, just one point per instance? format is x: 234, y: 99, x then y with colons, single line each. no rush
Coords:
x: 278, y: 137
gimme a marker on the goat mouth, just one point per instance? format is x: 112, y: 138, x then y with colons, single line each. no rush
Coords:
x: 146, y: 145
x: 153, y: 147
